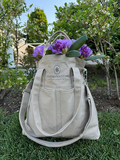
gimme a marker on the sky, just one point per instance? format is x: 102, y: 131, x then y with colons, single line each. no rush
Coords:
x: 47, y: 6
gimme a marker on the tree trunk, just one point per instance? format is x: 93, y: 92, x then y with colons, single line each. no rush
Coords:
x: 106, y: 63
x: 2, y: 48
x: 116, y: 79
x: 108, y: 85
x: 16, y: 44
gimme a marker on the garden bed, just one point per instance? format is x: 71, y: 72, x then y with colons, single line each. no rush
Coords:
x: 96, y: 82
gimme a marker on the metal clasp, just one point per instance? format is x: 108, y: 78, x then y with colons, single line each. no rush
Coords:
x: 85, y: 74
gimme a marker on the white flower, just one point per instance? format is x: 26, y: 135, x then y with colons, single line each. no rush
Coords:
x: 108, y: 25
x: 71, y: 19
x: 19, y: 78
x: 103, y: 27
x: 107, y: 13
x: 89, y: 29
x: 85, y: 32
x: 93, y: 23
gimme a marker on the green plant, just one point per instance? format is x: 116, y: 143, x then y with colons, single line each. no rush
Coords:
x: 28, y: 64
x: 96, y: 19
x: 98, y: 67
x: 66, y: 20
x: 13, y: 78
x: 94, y: 81
x: 10, y: 12
x: 36, y: 27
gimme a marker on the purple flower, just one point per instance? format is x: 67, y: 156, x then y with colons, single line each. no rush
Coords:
x: 73, y: 40
x: 60, y: 45
x: 67, y: 20
x: 67, y: 42
x: 51, y: 48
x: 85, y: 51
x: 38, y: 51
x: 54, y: 51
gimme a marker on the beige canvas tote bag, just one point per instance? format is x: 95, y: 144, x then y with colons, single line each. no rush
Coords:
x: 58, y: 102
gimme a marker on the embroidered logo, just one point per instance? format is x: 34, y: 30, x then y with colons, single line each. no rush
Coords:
x: 57, y: 69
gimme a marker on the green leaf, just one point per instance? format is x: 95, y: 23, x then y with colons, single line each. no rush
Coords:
x: 98, y: 5
x: 65, y: 4
x: 53, y: 47
x: 30, y: 5
x: 39, y: 56
x: 31, y: 57
x: 58, y: 53
x: 116, y: 132
x: 94, y: 57
x: 48, y: 52
x: 73, y: 53
x: 78, y: 43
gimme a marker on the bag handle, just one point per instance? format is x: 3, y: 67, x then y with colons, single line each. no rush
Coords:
x: 77, y: 91
x: 31, y: 134
x: 63, y: 33
x: 58, y: 37
x: 48, y: 42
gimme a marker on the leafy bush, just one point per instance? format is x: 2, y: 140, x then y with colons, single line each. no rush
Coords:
x: 12, y: 78
x: 36, y: 28
x: 28, y: 63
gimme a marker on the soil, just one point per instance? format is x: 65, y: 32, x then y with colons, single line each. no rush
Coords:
x: 12, y: 97
x: 11, y: 101
x: 103, y: 103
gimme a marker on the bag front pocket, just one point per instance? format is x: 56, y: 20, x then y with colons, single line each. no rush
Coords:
x: 67, y: 105
x: 47, y: 109
x: 56, y: 108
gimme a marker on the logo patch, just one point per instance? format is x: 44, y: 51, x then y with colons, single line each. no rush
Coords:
x: 57, y: 69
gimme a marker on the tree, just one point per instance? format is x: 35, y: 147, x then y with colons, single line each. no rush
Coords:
x: 96, y: 18
x: 114, y: 4
x: 10, y: 12
x: 36, y: 28
x: 16, y: 13
x: 66, y: 20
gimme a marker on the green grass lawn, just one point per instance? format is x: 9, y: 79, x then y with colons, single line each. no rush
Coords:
x: 15, y: 146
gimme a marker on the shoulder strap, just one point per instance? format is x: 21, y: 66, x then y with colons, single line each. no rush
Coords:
x: 23, y: 108
x: 77, y: 92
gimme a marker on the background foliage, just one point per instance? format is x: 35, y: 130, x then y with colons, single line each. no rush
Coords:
x: 36, y: 28
x: 101, y: 22
x: 10, y: 12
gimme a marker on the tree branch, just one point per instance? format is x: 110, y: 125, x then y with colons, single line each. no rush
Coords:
x: 113, y: 70
x: 102, y: 3
x: 97, y: 48
x: 110, y: 45
x: 115, y: 21
x: 101, y: 46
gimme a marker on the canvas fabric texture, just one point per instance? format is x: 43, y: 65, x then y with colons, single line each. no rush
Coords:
x: 59, y: 102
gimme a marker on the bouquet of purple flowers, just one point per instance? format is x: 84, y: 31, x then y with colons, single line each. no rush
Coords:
x: 71, y: 48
